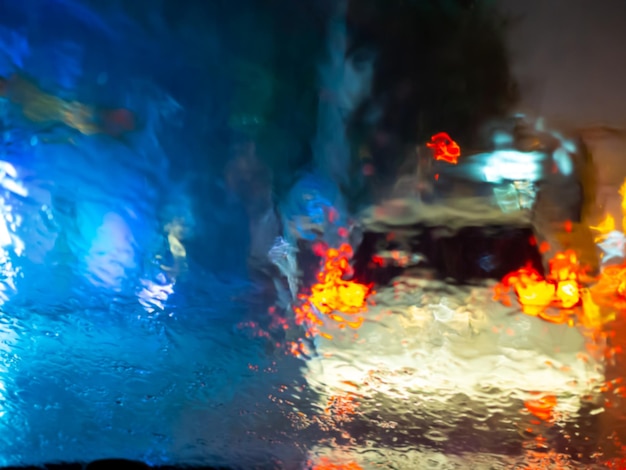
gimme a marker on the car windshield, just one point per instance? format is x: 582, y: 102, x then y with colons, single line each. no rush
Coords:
x: 305, y: 235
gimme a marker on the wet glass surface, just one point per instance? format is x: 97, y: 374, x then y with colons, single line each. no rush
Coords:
x: 155, y: 307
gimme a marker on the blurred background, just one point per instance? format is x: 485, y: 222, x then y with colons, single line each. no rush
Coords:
x: 323, y: 234
x: 566, y: 59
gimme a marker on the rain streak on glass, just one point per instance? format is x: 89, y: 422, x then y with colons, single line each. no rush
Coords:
x: 164, y: 300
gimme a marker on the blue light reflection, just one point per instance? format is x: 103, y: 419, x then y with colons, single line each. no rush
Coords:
x: 118, y: 335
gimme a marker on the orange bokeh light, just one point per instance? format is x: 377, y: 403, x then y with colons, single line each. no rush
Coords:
x: 542, y: 407
x: 332, y: 296
x: 326, y: 464
x: 561, y: 288
x: 612, y: 281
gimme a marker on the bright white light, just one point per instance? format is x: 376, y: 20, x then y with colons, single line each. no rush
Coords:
x: 111, y: 254
x: 455, y: 342
x: 8, y: 179
x: 283, y: 255
x: 154, y: 294
x: 612, y: 245
x: 10, y: 242
x: 513, y: 165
